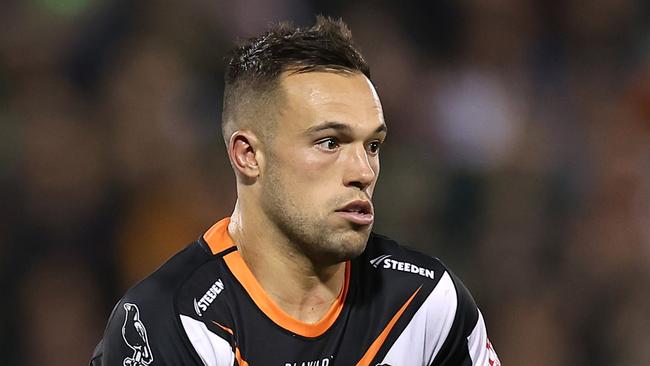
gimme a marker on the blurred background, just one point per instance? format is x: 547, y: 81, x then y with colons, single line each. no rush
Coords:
x: 518, y: 153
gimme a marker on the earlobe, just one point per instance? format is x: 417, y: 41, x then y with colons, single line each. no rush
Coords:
x: 242, y: 150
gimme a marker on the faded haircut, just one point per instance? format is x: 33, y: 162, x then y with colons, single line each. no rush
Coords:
x: 254, y: 68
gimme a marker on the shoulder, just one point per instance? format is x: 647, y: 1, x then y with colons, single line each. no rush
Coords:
x: 443, y: 301
x: 400, y: 264
x: 442, y: 286
x: 442, y: 312
x: 145, y: 324
x: 156, y: 294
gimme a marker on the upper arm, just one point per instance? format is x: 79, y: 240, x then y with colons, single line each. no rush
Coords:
x: 142, y: 332
x: 479, y: 347
x: 467, y: 343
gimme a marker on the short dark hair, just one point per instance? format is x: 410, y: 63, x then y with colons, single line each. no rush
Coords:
x: 254, y: 67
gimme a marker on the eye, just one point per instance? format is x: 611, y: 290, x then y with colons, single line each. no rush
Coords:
x: 328, y: 144
x: 373, y: 147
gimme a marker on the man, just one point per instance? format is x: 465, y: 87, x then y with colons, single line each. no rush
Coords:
x: 295, y: 277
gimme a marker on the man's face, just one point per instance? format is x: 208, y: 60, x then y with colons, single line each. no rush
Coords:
x: 323, y: 163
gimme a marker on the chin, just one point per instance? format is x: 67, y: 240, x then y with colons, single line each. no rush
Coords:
x: 353, y: 252
x: 351, y: 245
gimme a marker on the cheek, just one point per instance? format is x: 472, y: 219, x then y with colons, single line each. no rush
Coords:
x: 317, y: 159
x: 315, y: 179
x: 304, y: 174
x: 311, y: 166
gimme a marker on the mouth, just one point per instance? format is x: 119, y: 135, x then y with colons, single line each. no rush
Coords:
x: 358, y: 212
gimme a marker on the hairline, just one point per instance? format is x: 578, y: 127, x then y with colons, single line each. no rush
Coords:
x: 273, y: 93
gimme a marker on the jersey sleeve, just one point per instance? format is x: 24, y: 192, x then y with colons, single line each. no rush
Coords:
x: 467, y: 343
x: 480, y: 349
x: 144, y: 332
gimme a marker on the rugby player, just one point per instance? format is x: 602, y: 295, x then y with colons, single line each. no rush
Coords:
x: 295, y: 277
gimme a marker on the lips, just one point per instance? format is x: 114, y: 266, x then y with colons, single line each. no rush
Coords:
x: 358, y: 212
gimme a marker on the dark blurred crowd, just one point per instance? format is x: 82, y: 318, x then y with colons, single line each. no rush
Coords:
x: 518, y: 153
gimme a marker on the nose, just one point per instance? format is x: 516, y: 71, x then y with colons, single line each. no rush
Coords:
x: 359, y: 169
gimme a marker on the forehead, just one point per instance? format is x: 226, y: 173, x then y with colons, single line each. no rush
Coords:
x: 314, y: 97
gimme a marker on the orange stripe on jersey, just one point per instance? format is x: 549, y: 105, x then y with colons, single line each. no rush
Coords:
x: 244, y: 275
x: 376, y: 345
x: 224, y: 328
x: 240, y: 360
x: 238, y: 357
x: 219, y: 240
x: 217, y: 236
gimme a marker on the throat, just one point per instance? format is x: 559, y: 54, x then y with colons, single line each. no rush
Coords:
x: 296, y: 293
x: 310, y: 310
x: 308, y: 298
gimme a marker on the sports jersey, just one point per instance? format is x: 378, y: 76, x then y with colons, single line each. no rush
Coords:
x: 397, y: 307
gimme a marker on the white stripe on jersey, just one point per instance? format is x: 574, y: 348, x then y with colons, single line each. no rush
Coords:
x: 432, y: 323
x: 480, y: 349
x: 213, y: 350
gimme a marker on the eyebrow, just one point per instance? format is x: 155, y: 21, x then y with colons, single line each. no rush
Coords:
x: 340, y: 126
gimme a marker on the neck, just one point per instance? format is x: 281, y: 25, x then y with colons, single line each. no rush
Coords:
x: 301, y: 288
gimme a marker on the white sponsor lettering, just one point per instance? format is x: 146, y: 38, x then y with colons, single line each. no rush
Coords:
x: 207, y: 299
x: 323, y: 362
x: 388, y: 263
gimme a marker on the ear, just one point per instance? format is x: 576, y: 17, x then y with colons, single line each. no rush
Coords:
x: 244, y: 154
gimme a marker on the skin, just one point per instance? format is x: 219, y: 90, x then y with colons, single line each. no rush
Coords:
x: 324, y: 154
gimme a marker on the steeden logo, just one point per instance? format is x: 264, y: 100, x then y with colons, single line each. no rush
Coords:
x: 204, y: 302
x: 385, y: 262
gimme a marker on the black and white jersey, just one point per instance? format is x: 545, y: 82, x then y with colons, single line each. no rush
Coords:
x: 204, y: 307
